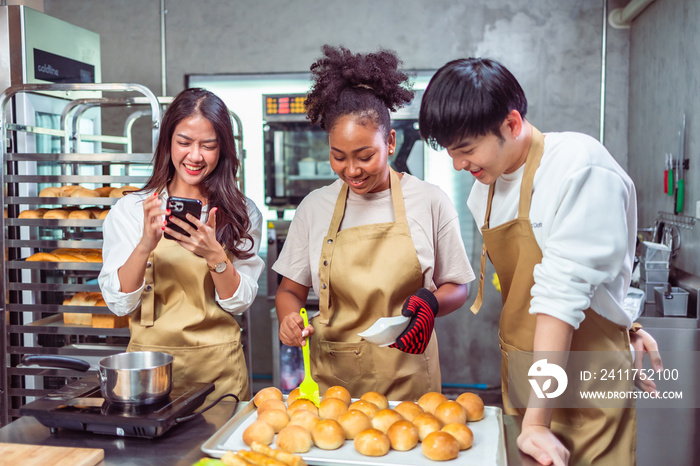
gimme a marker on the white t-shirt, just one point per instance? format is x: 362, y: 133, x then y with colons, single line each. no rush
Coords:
x: 122, y: 230
x: 584, y: 217
x: 432, y: 220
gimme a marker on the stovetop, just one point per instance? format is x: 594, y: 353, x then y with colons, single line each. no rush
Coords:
x: 80, y: 406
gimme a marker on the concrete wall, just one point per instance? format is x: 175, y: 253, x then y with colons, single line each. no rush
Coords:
x: 552, y: 46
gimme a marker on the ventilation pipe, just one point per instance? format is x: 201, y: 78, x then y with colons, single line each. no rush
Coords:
x: 163, y: 72
x: 621, y: 18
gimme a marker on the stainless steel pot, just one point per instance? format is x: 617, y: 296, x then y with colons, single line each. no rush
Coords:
x: 138, y: 378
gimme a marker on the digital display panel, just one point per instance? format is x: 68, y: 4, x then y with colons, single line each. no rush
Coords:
x: 285, y: 105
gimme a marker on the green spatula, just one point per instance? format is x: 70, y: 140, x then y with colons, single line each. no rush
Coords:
x: 308, y: 388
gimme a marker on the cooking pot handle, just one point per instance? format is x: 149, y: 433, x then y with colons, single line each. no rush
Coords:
x: 182, y: 419
x: 63, y: 362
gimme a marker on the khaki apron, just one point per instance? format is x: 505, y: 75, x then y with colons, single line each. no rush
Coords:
x: 180, y: 316
x: 367, y: 272
x: 592, y: 435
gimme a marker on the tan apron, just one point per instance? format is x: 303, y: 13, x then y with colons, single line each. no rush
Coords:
x: 367, y: 272
x: 180, y: 316
x: 592, y: 435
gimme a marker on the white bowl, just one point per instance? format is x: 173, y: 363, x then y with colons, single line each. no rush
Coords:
x: 385, y: 330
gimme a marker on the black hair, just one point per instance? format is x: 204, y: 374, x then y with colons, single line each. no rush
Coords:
x: 366, y: 85
x: 219, y: 187
x: 466, y: 98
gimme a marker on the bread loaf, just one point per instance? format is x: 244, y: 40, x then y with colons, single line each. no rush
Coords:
x: 80, y: 214
x: 43, y: 256
x: 56, y: 214
x: 109, y: 320
x: 77, y: 318
x: 104, y: 191
x: 67, y: 190
x: 84, y: 192
x: 31, y: 214
x: 51, y: 191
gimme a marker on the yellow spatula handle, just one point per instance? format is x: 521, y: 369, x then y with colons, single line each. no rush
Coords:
x: 305, y: 348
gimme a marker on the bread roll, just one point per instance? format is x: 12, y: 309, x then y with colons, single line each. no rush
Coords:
x: 408, y: 409
x: 430, y: 401
x: 121, y: 192
x: 258, y: 431
x: 103, y: 214
x: 272, y: 403
x: 440, y: 446
x: 104, y: 191
x: 294, y: 439
x: 31, y: 214
x: 462, y: 433
x: 293, y: 395
x: 43, y: 256
x: 80, y: 214
x: 372, y: 442
x: 385, y: 418
x: 473, y: 405
x: 426, y: 424
x: 328, y: 435
x: 51, y: 191
x: 84, y: 192
x: 94, y: 211
x: 277, y: 418
x: 303, y: 404
x: 353, y: 422
x: 370, y: 409
x: 450, y: 411
x: 304, y: 418
x: 339, y: 392
x: 69, y: 189
x: 332, y: 408
x: 376, y: 398
x: 56, y: 214
x: 403, y: 435
x: 266, y: 394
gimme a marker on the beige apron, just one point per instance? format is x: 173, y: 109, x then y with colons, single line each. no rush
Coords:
x: 592, y: 435
x: 180, y: 316
x: 367, y: 272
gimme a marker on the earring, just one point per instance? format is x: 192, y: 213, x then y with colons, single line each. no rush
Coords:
x: 516, y: 137
x: 391, y: 151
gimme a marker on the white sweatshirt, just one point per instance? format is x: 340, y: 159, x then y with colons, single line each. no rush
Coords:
x: 584, y: 217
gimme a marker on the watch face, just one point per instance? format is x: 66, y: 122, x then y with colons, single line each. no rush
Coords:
x: 220, y: 267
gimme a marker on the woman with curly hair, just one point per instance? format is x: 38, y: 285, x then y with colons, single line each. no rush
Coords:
x: 374, y: 243
x: 182, y: 294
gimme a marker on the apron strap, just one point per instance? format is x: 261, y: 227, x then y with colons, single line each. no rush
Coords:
x: 534, y: 155
x: 148, y: 295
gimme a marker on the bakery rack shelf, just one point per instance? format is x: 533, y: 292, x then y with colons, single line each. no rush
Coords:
x: 53, y: 152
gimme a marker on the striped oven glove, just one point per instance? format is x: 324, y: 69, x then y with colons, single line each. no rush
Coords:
x: 422, y: 307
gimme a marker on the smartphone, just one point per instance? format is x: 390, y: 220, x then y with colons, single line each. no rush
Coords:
x: 180, y: 207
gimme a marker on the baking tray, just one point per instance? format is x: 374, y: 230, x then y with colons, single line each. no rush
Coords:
x: 489, y: 445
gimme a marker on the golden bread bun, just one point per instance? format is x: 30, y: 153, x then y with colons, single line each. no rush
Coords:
x: 258, y: 431
x: 43, y: 256
x: 51, y: 191
x: 104, y: 191
x: 31, y: 214
x: 462, y: 433
x: 303, y: 404
x: 293, y: 395
x: 84, y: 192
x: 328, y: 435
x: 272, y: 403
x: 403, y: 435
x: 430, y: 401
x: 277, y: 418
x: 68, y: 189
x: 103, y: 214
x: 473, y: 405
x: 369, y: 408
x: 353, y: 422
x: 385, y: 418
x: 426, y: 424
x: 120, y: 192
x: 408, y: 409
x: 56, y: 213
x: 294, y: 439
x: 440, y: 446
x: 376, y: 398
x: 332, y: 408
x: 372, y: 442
x: 339, y: 392
x: 267, y: 393
x: 80, y: 214
x: 94, y: 211
x: 450, y: 411
x: 304, y: 418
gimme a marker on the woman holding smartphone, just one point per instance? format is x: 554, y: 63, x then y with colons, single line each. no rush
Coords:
x: 183, y: 293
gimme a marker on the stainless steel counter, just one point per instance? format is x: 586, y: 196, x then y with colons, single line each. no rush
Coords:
x: 178, y: 447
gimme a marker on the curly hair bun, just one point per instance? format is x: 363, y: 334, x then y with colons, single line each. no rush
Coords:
x: 356, y: 83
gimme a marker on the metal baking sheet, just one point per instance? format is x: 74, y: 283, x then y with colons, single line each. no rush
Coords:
x: 488, y: 448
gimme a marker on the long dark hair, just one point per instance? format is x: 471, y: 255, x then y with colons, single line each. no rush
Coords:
x: 366, y: 85
x: 220, y: 187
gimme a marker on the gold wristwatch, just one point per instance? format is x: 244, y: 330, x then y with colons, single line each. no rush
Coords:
x: 218, y: 268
